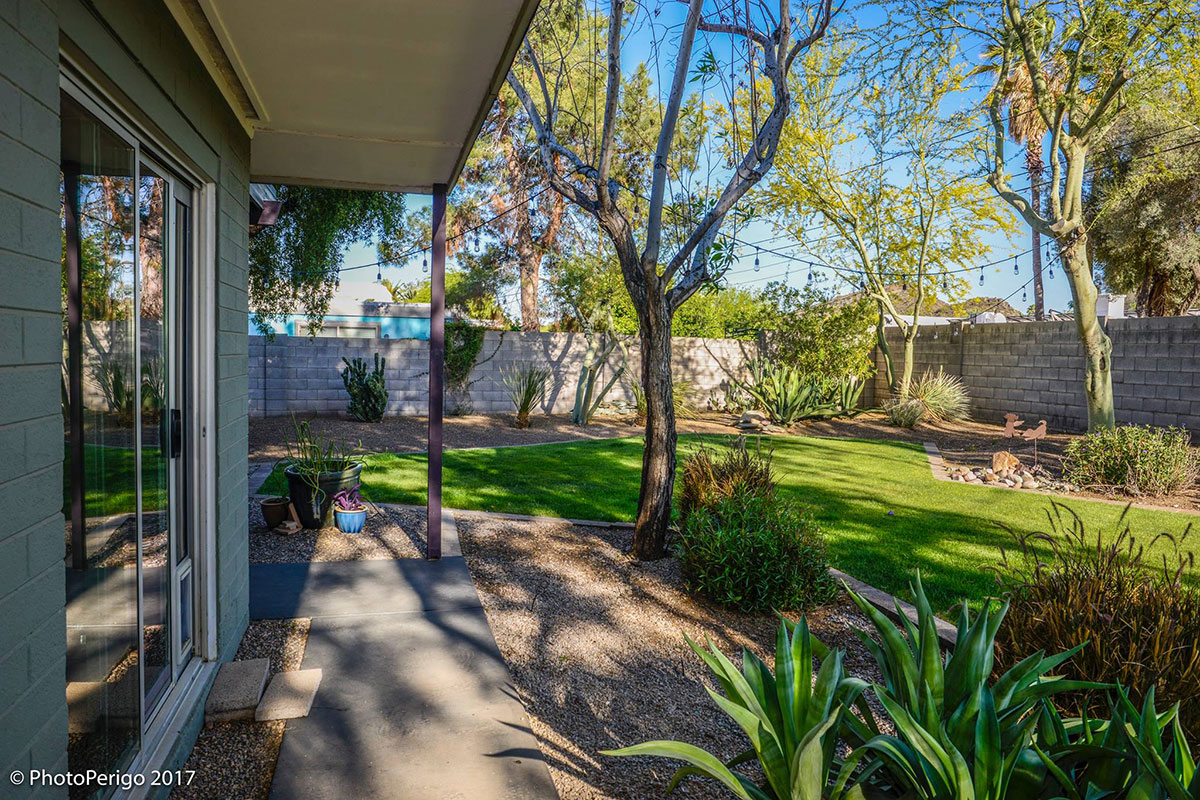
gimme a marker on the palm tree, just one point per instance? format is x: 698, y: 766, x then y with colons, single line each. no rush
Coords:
x: 1025, y: 127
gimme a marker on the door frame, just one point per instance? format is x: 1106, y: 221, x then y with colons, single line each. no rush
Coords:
x: 160, y: 730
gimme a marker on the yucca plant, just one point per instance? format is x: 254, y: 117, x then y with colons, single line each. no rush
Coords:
x: 903, y: 412
x: 943, y: 395
x: 791, y: 717
x: 526, y: 387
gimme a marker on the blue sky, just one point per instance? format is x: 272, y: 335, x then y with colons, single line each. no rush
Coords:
x: 1000, y: 280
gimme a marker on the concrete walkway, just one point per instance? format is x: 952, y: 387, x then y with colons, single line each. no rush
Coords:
x: 416, y: 701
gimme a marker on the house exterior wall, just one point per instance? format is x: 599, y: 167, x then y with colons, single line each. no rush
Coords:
x: 136, y: 53
x: 33, y: 708
x: 1035, y: 369
x: 302, y: 375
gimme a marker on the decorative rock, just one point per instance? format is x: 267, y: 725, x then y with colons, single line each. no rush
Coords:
x: 1005, y: 460
x: 1026, y: 475
x: 990, y: 477
x: 1008, y: 482
x: 755, y: 416
x: 1030, y: 484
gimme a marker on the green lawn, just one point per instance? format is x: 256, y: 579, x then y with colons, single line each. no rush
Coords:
x: 109, y: 481
x: 884, y: 514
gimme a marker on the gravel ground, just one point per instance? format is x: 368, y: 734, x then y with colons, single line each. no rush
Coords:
x: 595, y: 644
x: 389, y: 533
x: 237, y: 759
x: 269, y: 436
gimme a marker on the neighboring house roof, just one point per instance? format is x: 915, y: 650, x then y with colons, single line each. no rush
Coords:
x: 357, y: 93
x: 939, y: 308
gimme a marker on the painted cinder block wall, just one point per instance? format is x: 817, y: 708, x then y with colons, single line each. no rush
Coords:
x: 302, y: 375
x: 138, y: 54
x: 1035, y: 369
x: 33, y: 708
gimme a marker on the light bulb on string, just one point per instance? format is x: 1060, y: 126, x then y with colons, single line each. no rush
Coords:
x: 424, y: 262
x: 1016, y: 266
x: 1024, y: 296
x: 756, y: 252
x: 379, y: 276
x: 810, y: 274
x: 945, y: 284
x: 935, y: 333
x: 981, y: 277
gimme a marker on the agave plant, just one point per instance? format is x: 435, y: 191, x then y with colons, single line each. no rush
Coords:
x: 784, y: 394
x: 955, y: 730
x: 791, y: 717
x: 1135, y: 754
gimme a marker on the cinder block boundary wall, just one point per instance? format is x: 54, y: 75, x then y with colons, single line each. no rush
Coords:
x: 302, y: 375
x: 1035, y: 369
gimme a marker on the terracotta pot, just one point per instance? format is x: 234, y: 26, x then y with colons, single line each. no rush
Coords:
x: 274, y: 510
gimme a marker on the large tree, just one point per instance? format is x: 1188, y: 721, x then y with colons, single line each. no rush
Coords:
x: 295, y: 264
x: 877, y: 167
x: 659, y: 282
x: 1110, y: 52
x: 1144, y: 197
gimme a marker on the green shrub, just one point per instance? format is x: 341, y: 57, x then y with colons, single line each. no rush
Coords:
x: 755, y: 553
x: 1136, y: 459
x: 709, y: 476
x: 943, y: 396
x: 904, y: 412
x: 1139, y: 625
x: 526, y: 387
x: 368, y: 394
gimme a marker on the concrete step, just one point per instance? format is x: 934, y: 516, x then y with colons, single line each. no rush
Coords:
x: 236, y: 691
x: 289, y: 696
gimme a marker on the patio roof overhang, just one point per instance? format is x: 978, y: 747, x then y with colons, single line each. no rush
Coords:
x: 364, y: 94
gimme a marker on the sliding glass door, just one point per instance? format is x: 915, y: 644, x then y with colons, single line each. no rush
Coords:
x: 126, y: 260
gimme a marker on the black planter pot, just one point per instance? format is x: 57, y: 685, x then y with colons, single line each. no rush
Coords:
x: 330, y: 484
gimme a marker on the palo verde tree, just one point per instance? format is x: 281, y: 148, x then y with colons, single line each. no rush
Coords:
x: 658, y: 281
x: 1105, y: 55
x: 875, y: 162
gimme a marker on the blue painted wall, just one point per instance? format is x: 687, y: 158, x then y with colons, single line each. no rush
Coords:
x: 389, y: 327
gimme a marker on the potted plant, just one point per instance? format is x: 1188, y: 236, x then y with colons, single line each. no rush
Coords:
x: 274, y: 510
x: 349, y: 510
x: 317, y: 469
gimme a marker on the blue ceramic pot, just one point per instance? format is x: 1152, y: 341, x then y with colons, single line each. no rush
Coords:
x: 350, y: 521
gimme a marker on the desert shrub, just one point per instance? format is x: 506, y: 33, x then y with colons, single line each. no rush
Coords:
x: 1137, y: 459
x: 368, y: 394
x: 526, y: 387
x: 824, y: 337
x: 755, y: 552
x: 1140, y: 622
x: 709, y: 476
x: 904, y: 412
x: 943, y: 395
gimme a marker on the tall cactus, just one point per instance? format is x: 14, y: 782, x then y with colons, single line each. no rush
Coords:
x: 368, y: 395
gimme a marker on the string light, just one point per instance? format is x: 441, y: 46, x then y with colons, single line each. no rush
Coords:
x: 1024, y: 296
x: 379, y: 275
x: 1016, y: 266
x: 424, y: 262
x: 757, y: 251
x: 810, y: 274
x: 981, y: 277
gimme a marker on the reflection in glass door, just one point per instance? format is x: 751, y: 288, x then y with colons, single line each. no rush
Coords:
x: 126, y: 255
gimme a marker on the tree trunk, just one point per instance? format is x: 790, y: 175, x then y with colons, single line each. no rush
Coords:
x: 529, y: 260
x: 1033, y: 165
x: 907, y: 370
x: 1097, y: 347
x: 658, y: 457
x: 889, y: 367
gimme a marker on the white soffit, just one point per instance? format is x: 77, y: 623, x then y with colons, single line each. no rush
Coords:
x: 370, y: 94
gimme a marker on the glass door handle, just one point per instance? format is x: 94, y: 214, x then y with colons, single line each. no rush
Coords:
x: 176, y: 445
